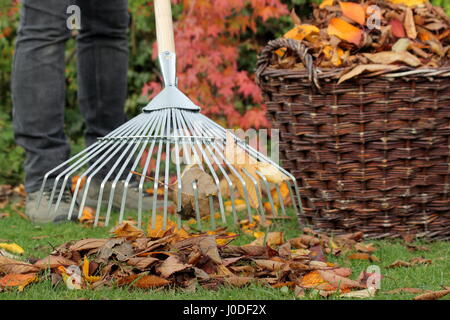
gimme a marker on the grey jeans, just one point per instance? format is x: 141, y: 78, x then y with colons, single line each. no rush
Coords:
x: 38, y: 81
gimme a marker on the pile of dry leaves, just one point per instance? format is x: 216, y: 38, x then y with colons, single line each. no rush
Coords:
x: 174, y: 258
x: 372, y: 35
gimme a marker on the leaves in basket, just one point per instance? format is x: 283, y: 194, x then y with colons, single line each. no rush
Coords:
x: 353, y: 11
x: 345, y: 31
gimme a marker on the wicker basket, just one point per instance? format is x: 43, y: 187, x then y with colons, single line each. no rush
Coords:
x: 371, y: 154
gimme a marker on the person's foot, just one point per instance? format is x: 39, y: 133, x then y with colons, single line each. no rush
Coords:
x: 131, y: 201
x: 43, y: 214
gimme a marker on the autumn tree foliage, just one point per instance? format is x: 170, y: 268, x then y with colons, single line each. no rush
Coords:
x: 207, y: 36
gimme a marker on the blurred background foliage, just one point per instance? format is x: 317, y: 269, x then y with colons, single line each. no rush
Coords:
x: 143, y: 68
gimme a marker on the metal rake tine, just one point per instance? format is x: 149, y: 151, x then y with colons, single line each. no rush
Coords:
x: 159, y: 116
x: 212, y: 212
x: 111, y: 170
x: 72, y: 169
x: 178, y: 169
x: 166, y: 175
x: 121, y: 171
x: 86, y: 151
x: 211, y: 154
x: 269, y: 195
x: 196, y: 205
x: 155, y: 186
x: 152, y: 125
x: 280, y: 199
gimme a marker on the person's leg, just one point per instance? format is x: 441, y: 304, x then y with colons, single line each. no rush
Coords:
x: 38, y: 87
x: 102, y: 65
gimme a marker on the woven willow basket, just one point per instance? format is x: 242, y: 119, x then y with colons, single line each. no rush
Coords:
x: 371, y: 154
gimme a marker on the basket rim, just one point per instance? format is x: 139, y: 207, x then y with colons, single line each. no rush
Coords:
x: 313, y: 73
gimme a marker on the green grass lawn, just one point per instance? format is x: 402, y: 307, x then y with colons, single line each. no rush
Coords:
x: 39, y: 241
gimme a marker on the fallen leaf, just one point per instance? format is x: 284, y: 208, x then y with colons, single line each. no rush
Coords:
x: 410, y: 26
x: 397, y: 28
x: 17, y: 280
x: 365, y: 67
x: 205, y: 187
x: 361, y: 294
x: 144, y: 282
x: 432, y: 295
x: 88, y: 244
x: 270, y: 264
x: 53, y: 261
x: 275, y: 238
x: 86, y: 275
x: 359, y: 256
x: 158, y: 230
x: 171, y: 265
x: 389, y: 57
x: 353, y: 11
x: 208, y: 247
x: 338, y: 281
x: 12, y: 247
x: 128, y: 230
x: 8, y: 265
x: 237, y: 281
x: 87, y: 216
x: 345, y: 31
x: 406, y: 290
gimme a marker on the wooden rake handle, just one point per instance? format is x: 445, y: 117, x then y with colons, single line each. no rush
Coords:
x: 164, y: 26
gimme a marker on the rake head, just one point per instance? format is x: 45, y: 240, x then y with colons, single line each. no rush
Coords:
x: 178, y: 157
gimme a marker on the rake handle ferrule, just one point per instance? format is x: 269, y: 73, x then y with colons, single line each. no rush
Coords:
x: 164, y: 26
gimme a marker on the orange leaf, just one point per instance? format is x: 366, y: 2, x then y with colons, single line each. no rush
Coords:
x: 128, y: 230
x: 17, y: 280
x: 158, y: 231
x: 345, y: 31
x: 353, y: 11
x: 88, y: 215
x: 314, y: 279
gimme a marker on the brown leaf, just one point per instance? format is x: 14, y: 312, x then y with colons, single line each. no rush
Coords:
x: 432, y: 295
x: 145, y: 282
x: 338, y: 281
x: 343, y: 272
x: 171, y: 265
x: 88, y: 244
x: 399, y: 263
x: 205, y: 187
x: 208, y: 247
x: 141, y: 263
x: 409, y: 24
x: 275, y: 238
x: 359, y: 256
x: 270, y: 265
x: 8, y: 265
x: 53, y: 261
x: 406, y: 290
x: 365, y: 67
x: 367, y: 248
x: 389, y: 57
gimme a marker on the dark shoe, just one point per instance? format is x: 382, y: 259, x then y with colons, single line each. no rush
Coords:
x: 43, y: 214
x: 131, y: 201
